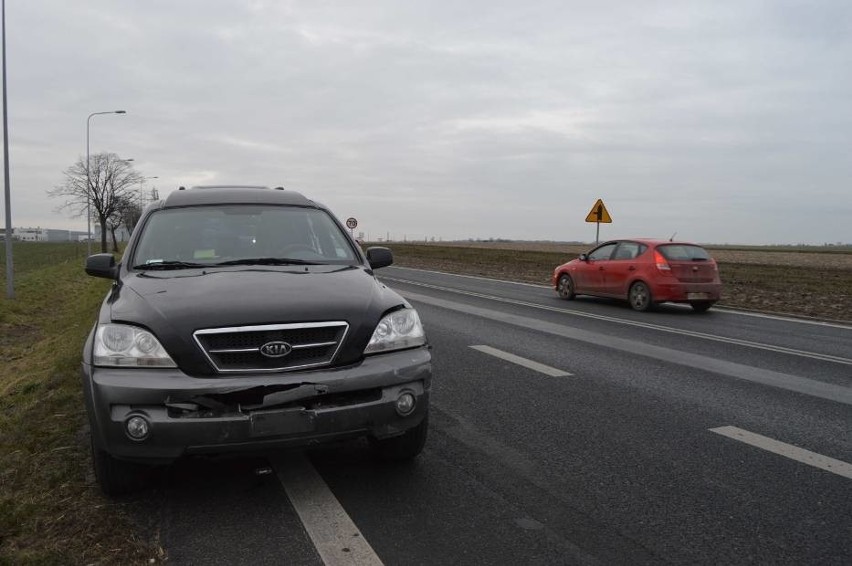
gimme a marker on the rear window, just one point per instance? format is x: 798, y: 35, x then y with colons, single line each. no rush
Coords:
x: 683, y: 252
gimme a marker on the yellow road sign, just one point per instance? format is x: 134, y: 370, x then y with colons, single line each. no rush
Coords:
x: 599, y: 213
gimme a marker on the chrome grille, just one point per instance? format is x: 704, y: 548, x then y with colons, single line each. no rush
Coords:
x: 238, y: 349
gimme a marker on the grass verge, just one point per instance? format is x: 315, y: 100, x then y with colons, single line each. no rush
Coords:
x: 51, y: 511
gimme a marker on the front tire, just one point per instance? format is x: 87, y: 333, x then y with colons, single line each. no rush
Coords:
x: 404, y: 447
x: 565, y: 287
x: 639, y: 297
x: 116, y: 477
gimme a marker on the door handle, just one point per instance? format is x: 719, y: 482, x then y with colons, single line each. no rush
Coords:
x: 631, y: 268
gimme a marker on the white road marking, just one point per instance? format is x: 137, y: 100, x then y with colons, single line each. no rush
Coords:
x: 782, y: 318
x: 804, y: 385
x: 479, y: 277
x: 529, y: 364
x: 729, y: 310
x: 648, y: 325
x: 335, y: 536
x: 787, y: 450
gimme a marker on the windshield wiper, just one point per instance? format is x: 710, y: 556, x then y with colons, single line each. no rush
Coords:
x: 169, y: 265
x: 267, y: 261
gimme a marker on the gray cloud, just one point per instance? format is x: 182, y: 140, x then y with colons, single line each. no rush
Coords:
x: 724, y: 121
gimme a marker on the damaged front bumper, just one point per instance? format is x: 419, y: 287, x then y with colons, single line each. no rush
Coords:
x: 190, y: 415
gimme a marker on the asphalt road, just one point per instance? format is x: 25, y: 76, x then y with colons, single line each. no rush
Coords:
x: 561, y: 433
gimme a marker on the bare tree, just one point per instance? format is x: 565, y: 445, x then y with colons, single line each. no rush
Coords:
x: 131, y: 211
x: 113, y: 181
x: 127, y: 214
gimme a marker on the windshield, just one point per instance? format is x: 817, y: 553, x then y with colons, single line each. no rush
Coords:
x: 241, y: 235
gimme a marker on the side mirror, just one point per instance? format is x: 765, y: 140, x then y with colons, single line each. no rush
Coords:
x: 379, y: 257
x: 584, y: 257
x: 102, y: 265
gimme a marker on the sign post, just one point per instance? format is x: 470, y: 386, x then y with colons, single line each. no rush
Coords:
x: 599, y: 214
x: 351, y: 223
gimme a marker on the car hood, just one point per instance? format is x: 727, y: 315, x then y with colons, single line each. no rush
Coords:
x: 174, y: 304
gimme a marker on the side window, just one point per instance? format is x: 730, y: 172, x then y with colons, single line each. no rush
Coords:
x: 327, y: 240
x: 627, y: 250
x: 603, y: 252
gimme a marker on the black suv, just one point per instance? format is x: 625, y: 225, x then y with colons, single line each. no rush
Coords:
x: 246, y: 319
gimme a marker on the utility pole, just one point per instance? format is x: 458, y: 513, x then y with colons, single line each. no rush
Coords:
x: 10, y: 271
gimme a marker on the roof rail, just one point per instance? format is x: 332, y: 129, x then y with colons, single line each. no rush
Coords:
x: 230, y: 187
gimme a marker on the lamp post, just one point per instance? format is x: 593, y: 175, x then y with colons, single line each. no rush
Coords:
x: 89, y: 182
x: 154, y: 194
x: 10, y: 272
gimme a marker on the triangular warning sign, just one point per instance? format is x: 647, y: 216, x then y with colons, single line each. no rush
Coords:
x: 599, y: 213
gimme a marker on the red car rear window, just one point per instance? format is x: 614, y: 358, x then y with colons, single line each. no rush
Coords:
x: 683, y: 252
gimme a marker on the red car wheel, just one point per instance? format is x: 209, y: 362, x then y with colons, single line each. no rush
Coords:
x: 565, y: 287
x: 639, y: 297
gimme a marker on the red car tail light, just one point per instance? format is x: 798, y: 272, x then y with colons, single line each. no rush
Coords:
x: 662, y: 265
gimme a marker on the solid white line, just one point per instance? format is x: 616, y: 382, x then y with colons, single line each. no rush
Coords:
x: 336, y: 538
x: 782, y: 318
x: 529, y: 364
x: 787, y: 450
x: 729, y: 310
x: 822, y: 390
x: 648, y: 325
x: 479, y: 277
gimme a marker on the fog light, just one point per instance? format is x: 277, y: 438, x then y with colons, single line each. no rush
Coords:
x: 137, y: 428
x: 405, y: 403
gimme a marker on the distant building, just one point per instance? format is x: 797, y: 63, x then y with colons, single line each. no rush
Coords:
x: 41, y: 235
x: 46, y: 235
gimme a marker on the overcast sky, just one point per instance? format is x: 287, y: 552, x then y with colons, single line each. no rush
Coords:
x: 725, y: 121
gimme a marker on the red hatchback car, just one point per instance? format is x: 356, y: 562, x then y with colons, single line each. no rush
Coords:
x: 644, y: 272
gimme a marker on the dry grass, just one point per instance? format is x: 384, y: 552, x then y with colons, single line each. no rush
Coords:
x: 818, y: 257
x: 50, y: 509
x: 802, y: 283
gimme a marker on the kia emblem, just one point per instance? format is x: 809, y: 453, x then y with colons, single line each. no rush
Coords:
x: 276, y: 349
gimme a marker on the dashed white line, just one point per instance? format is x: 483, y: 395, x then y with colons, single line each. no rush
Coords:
x: 524, y: 362
x: 812, y: 387
x: 838, y: 467
x: 336, y: 538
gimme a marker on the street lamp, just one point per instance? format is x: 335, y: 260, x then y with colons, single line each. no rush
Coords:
x: 89, y: 182
x: 154, y: 194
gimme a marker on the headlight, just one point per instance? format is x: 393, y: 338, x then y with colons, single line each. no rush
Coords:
x: 397, y: 330
x: 122, y: 345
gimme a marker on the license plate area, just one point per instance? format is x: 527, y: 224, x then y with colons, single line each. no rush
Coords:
x: 288, y: 421
x: 697, y: 296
